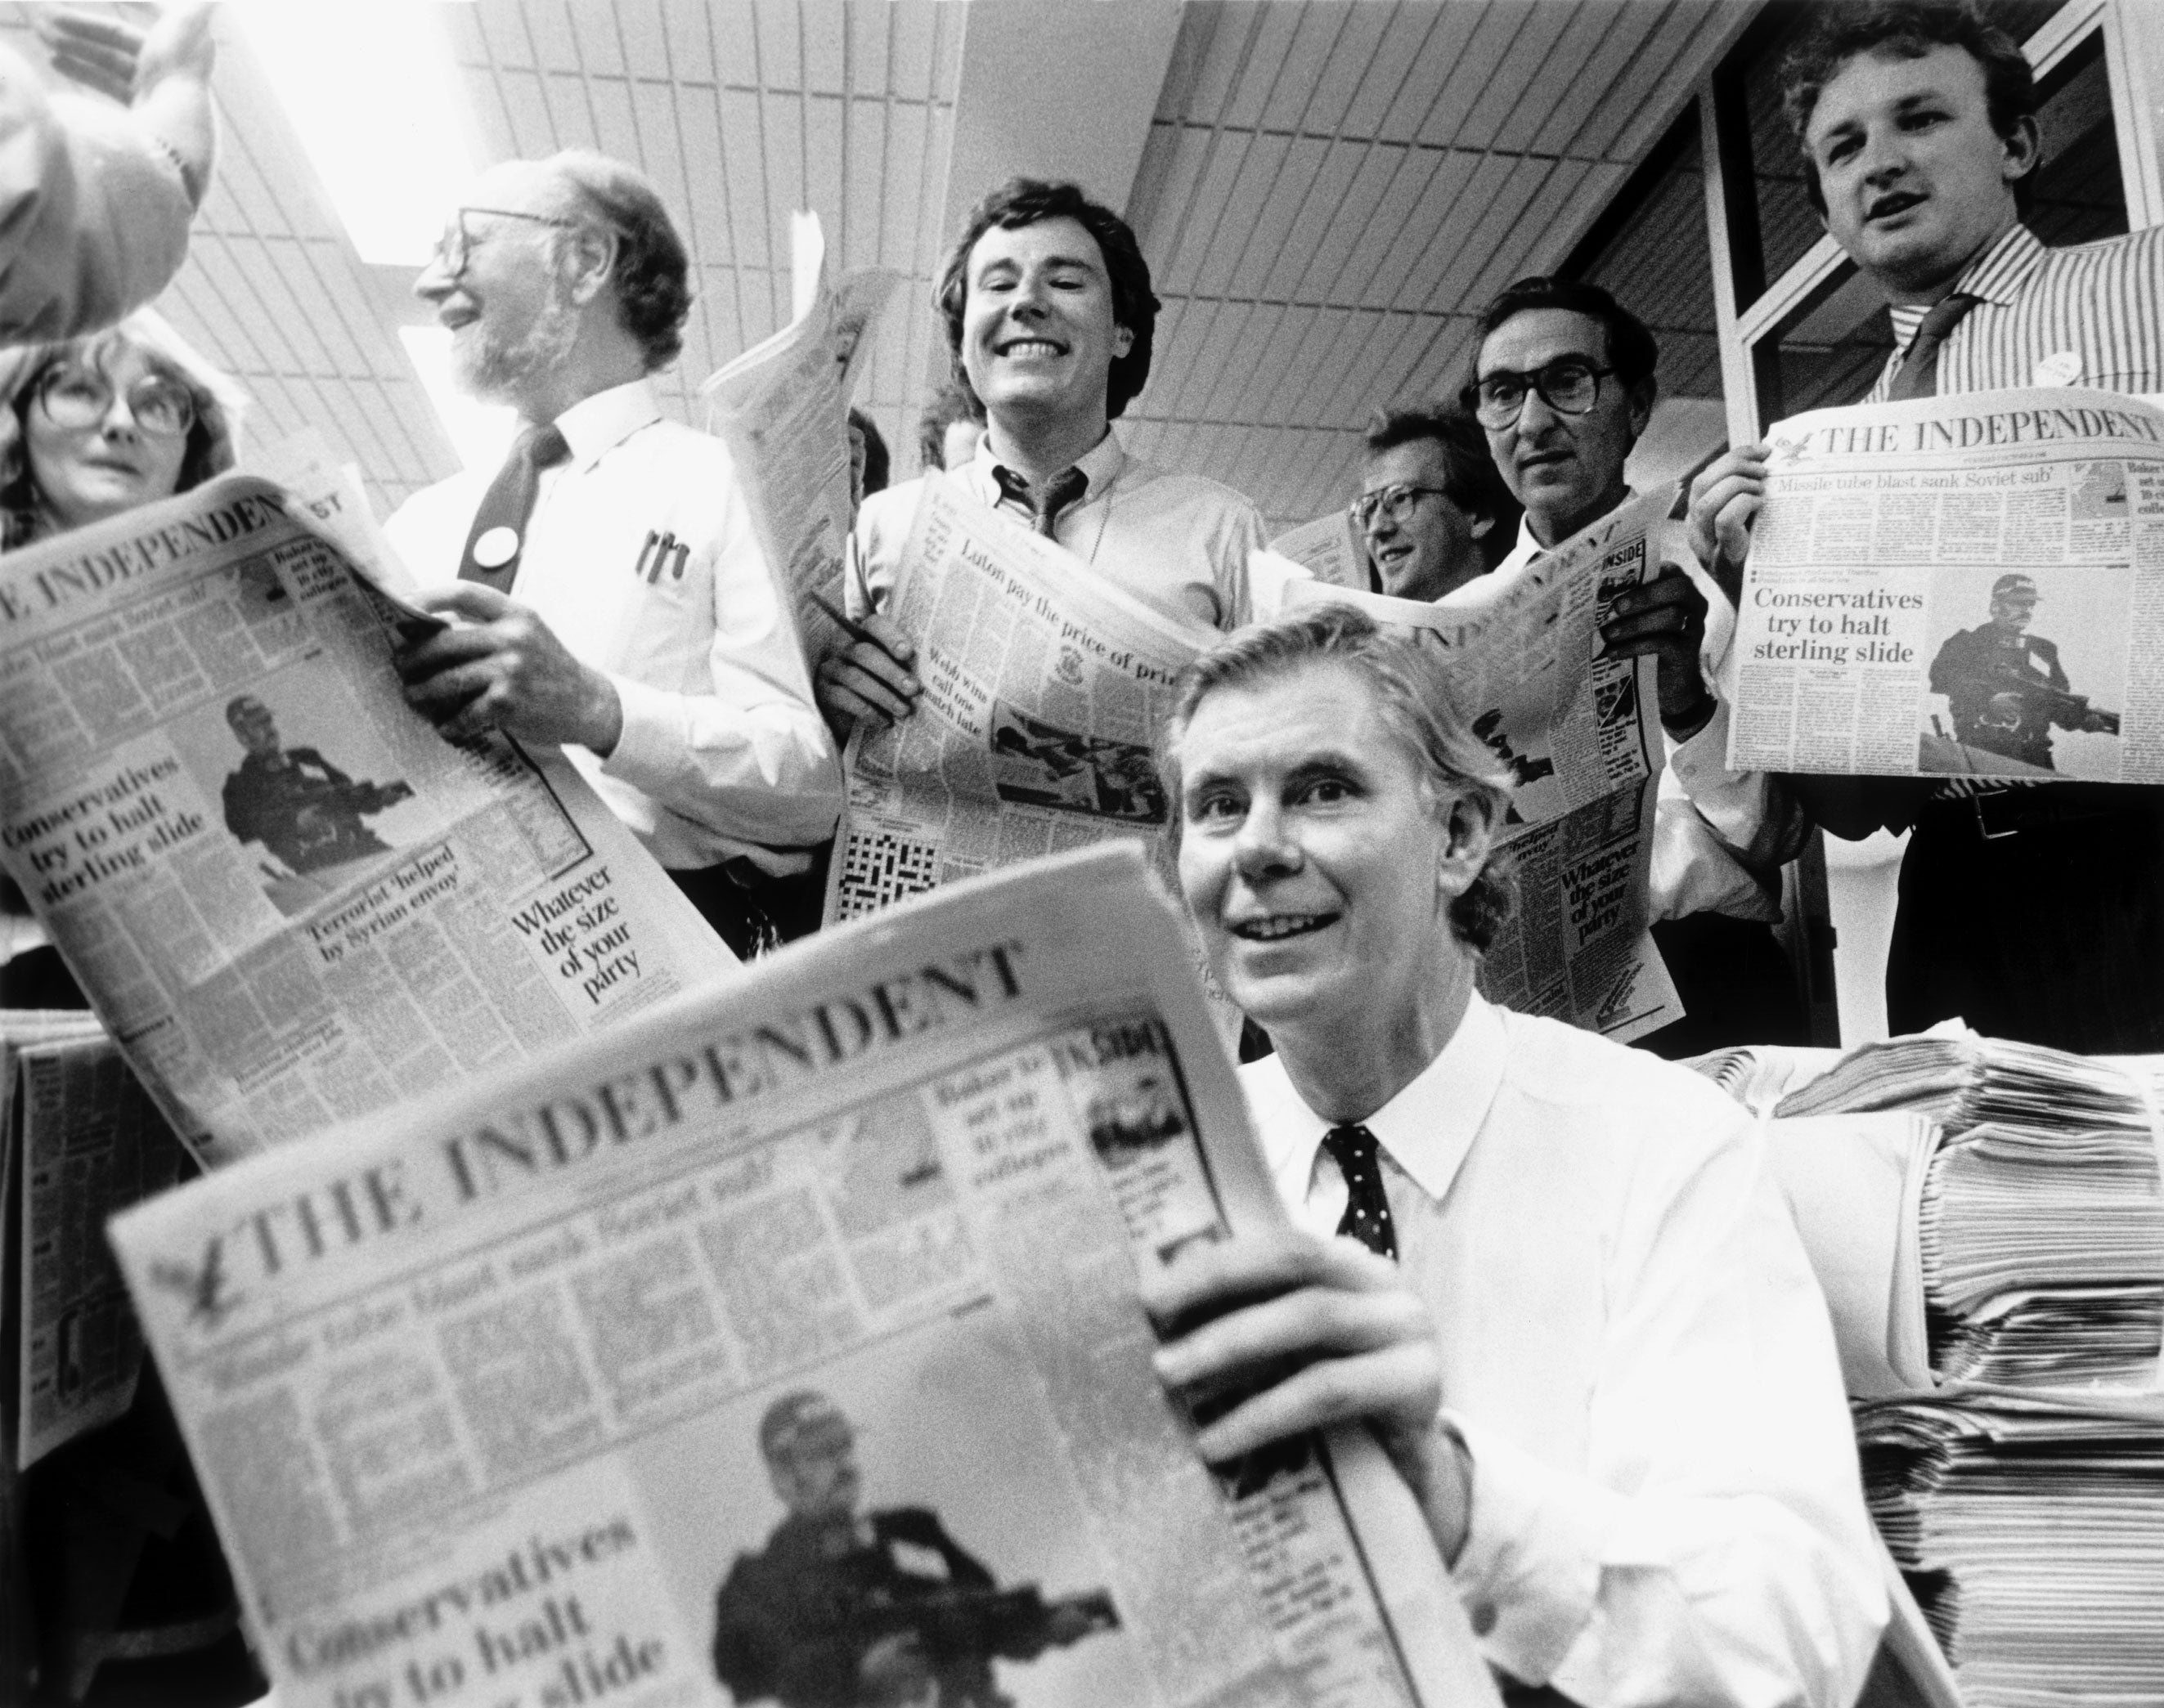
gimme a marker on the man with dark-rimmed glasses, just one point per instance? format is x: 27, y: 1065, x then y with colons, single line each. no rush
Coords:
x: 1563, y: 386
x: 607, y: 591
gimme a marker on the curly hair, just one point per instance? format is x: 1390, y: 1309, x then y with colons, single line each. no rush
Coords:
x: 1907, y: 29
x: 210, y: 450
x: 1023, y: 202
x: 652, y: 273
x: 1406, y: 682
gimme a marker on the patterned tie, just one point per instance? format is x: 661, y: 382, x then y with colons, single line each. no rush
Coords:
x: 498, y: 535
x: 1062, y: 489
x: 1367, y: 1215
x: 1920, y: 368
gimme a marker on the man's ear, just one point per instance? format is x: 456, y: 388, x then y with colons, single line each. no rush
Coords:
x: 591, y: 257
x: 1123, y: 341
x: 1643, y: 396
x: 2025, y: 149
x: 1483, y: 526
x: 1468, y: 836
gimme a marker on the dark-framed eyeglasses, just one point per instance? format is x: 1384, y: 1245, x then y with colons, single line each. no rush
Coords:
x: 455, y: 247
x: 77, y: 398
x: 1569, y: 386
x: 1394, y: 503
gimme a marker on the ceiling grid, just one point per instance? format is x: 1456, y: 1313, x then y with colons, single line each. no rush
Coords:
x: 1327, y: 190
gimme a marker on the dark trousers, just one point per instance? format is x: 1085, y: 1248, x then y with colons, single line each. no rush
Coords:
x: 2052, y: 935
x: 752, y: 913
x: 1736, y: 986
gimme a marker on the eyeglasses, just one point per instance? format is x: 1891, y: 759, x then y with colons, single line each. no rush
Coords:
x: 455, y: 247
x: 82, y: 397
x: 1394, y: 503
x: 1569, y: 386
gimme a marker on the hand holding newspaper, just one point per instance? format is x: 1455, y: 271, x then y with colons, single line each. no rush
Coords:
x: 1044, y: 685
x: 546, y: 1393
x: 1957, y: 587
x: 1580, y: 735
x: 290, y: 900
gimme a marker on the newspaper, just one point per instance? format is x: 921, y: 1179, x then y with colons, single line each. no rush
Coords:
x: 1044, y: 688
x: 1958, y: 587
x: 292, y: 901
x: 478, y: 1391
x: 1330, y: 548
x: 1580, y: 736
x: 782, y: 407
x: 90, y: 1142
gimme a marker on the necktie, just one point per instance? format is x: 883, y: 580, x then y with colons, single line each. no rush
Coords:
x: 1920, y: 368
x: 1367, y: 1215
x: 1062, y: 489
x: 498, y: 535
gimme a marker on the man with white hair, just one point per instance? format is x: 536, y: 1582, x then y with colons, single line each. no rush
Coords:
x: 1567, y: 1296
x: 608, y: 591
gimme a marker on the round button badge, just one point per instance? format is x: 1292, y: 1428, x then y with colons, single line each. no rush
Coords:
x: 497, y: 547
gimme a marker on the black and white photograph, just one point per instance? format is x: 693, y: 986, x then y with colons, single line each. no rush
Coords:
x: 862, y: 1540
x: 1788, y: 1335
x: 2027, y: 671
x: 303, y: 783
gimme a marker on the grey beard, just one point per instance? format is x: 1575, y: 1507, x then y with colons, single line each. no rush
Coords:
x: 497, y: 371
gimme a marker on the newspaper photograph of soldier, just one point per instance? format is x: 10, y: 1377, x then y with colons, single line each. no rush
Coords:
x: 303, y: 782
x: 1035, y: 763
x: 2027, y: 672
x: 871, y: 1541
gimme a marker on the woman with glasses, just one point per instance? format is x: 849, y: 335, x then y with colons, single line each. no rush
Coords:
x: 92, y: 429
x: 98, y: 426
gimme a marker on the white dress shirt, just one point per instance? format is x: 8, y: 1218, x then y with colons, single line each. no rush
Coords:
x: 722, y: 752
x: 1665, y: 1507
x: 1178, y: 543
x: 1711, y: 825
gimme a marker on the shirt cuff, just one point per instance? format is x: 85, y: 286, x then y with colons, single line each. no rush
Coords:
x: 648, y: 746
x: 1530, y: 1571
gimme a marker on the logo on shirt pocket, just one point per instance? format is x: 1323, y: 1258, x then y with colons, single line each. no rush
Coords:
x: 661, y: 553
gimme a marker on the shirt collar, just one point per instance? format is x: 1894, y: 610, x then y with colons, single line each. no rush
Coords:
x: 1101, y: 463
x: 601, y: 423
x: 1996, y: 276
x: 1529, y: 546
x: 1427, y: 1128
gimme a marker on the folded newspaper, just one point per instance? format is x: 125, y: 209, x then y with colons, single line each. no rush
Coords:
x: 77, y: 1131
x: 786, y: 1345
x: 1044, y: 685
x: 292, y: 901
x: 782, y: 407
x: 1957, y: 587
x: 1580, y: 737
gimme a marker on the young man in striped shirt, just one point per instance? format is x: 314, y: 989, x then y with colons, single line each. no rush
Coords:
x: 2036, y: 913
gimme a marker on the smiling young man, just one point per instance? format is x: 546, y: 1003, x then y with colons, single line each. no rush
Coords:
x: 608, y: 592
x: 1583, y: 1326
x: 1050, y: 321
x: 1563, y: 386
x: 1918, y: 127
x: 1432, y: 509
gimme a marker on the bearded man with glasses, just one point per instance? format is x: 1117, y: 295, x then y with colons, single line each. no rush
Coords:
x: 607, y: 590
x: 1563, y: 386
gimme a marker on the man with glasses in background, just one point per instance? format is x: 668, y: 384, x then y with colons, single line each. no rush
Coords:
x: 1432, y: 511
x: 648, y: 635
x: 1563, y: 386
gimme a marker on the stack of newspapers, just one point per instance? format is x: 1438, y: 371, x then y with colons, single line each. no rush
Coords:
x: 2011, y: 1426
